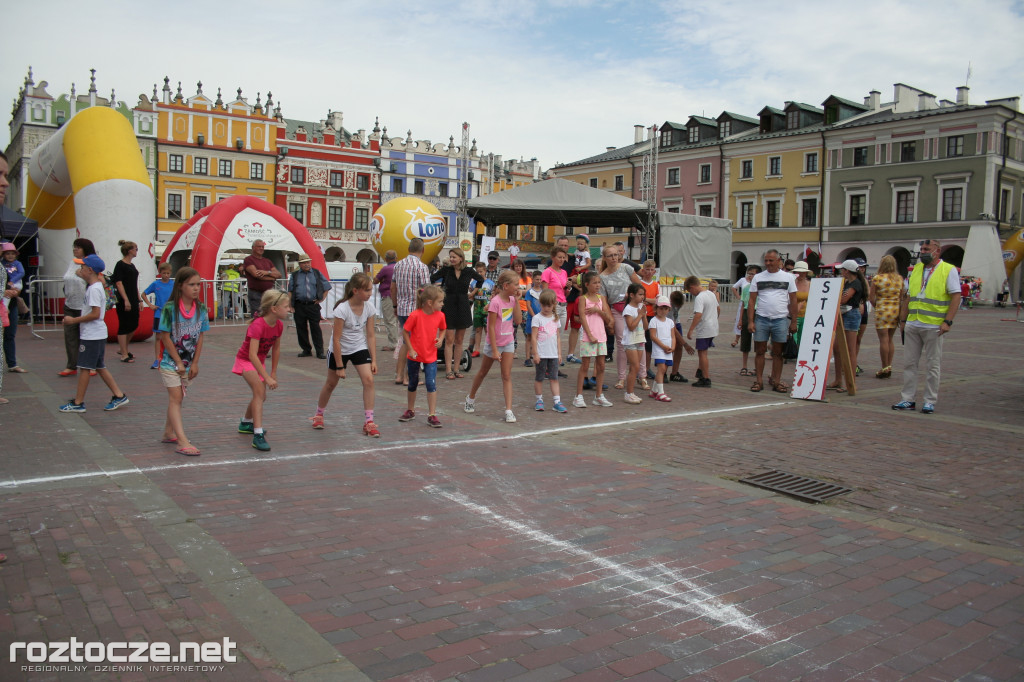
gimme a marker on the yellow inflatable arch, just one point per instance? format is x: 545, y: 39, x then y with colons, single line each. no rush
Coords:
x: 89, y: 180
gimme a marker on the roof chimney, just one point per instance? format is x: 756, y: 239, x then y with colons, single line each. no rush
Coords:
x: 638, y: 134
x: 609, y: 149
x: 925, y: 101
x: 961, y: 95
x: 871, y: 101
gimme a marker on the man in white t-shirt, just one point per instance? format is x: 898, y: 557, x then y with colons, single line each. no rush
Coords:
x: 704, y: 326
x: 773, y: 300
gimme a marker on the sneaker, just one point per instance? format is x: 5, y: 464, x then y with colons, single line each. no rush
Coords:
x: 928, y: 408
x: 859, y: 371
x: 475, y: 354
x: 67, y: 373
x: 578, y: 401
x: 702, y: 383
x: 510, y: 418
x: 259, y: 441
x: 560, y: 408
x: 72, y: 406
x: 608, y: 358
x: 650, y: 374
x: 699, y: 375
x: 115, y: 403
x: 632, y: 399
x: 318, y: 421
x: 433, y: 421
x: 527, y: 362
x: 468, y: 407
x: 573, y: 359
x: 905, y: 405
x: 407, y: 416
x: 539, y: 406
x: 601, y: 401
x: 562, y: 375
x: 155, y: 365
x: 586, y: 384
x: 245, y: 427
x: 370, y: 429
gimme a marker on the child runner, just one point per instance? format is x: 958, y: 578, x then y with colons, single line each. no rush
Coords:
x: 595, y: 317
x: 503, y: 314
x: 547, y: 351
x: 663, y: 340
x: 532, y: 300
x: 161, y: 291
x: 93, y: 338
x: 704, y: 324
x: 652, y: 289
x: 424, y: 334
x: 352, y: 340
x: 480, y: 301
x: 181, y: 325
x: 635, y: 317
x: 676, y: 301
x: 262, y: 336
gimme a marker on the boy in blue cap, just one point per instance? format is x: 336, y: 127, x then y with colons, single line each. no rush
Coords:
x: 93, y: 335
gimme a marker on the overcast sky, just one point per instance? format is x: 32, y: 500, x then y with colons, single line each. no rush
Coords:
x: 559, y: 80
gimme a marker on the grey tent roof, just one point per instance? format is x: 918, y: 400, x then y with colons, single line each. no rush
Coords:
x: 16, y: 225
x: 558, y: 202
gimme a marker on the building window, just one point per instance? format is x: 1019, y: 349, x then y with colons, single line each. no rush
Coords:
x: 811, y: 162
x: 666, y: 138
x: 174, y: 206
x: 298, y: 175
x: 705, y: 172
x: 199, y: 202
x: 200, y: 166
x: 952, y: 203
x: 619, y: 184
x: 397, y: 185
x: 747, y: 169
x: 1004, y: 205
x: 297, y: 211
x: 417, y: 187
x: 224, y: 168
x: 362, y: 218
x: 512, y: 232
x: 775, y: 165
x: 809, y: 213
x: 363, y: 182
x: 792, y: 120
x: 673, y: 209
x: 442, y: 189
x: 904, y: 207
x: 858, y: 203
x: 747, y: 214
x: 694, y: 133
x: 704, y: 210
x: 955, y: 145
x: 337, y: 179
x: 771, y: 214
x: 593, y: 182
x: 255, y: 171
x: 335, y: 217
x: 907, y: 150
x: 725, y: 129
x: 860, y: 156
x: 673, y: 176
x: 176, y: 163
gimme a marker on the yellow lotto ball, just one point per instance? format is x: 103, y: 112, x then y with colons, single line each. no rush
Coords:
x: 398, y: 221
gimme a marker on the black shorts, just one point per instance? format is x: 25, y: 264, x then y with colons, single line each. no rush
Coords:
x: 360, y: 357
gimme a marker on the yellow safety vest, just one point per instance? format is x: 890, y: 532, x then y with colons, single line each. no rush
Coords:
x: 231, y: 284
x: 933, y: 306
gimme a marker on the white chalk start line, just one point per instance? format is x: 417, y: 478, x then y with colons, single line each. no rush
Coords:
x: 401, y: 446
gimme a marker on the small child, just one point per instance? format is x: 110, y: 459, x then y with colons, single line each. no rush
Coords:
x: 503, y: 314
x: 181, y: 325
x: 480, y: 301
x: 705, y: 324
x: 532, y: 300
x: 635, y: 317
x: 582, y: 253
x: 652, y: 289
x: 424, y: 334
x: 676, y: 300
x: 353, y: 339
x: 93, y: 337
x: 663, y: 340
x: 595, y: 319
x: 546, y: 349
x: 160, y: 289
x: 262, y: 336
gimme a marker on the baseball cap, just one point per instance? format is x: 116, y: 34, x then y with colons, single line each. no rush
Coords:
x: 850, y: 265
x: 492, y: 254
x: 861, y: 263
x: 583, y: 237
x: 662, y: 301
x: 93, y: 262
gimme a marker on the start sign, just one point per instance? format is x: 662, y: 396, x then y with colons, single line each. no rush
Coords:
x: 816, y: 339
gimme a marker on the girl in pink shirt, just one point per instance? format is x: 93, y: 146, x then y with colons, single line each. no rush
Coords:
x: 594, y: 320
x: 263, y: 337
x: 503, y: 314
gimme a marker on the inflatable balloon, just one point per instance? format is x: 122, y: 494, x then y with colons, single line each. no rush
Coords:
x: 396, y: 222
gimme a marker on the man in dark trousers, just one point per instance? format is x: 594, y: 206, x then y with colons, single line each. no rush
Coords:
x: 309, y: 288
x: 260, y: 275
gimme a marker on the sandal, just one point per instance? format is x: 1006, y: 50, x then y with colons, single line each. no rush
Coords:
x: 620, y: 385
x: 460, y: 375
x: 18, y: 370
x: 168, y: 440
x: 781, y: 388
x: 190, y: 451
x: 128, y: 358
x: 839, y: 389
x: 757, y: 387
x: 450, y: 376
x: 746, y: 372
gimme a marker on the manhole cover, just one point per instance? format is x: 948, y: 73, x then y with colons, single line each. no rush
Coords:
x: 798, y: 486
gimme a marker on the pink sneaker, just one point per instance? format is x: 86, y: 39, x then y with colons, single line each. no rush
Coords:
x: 434, y: 422
x: 407, y: 416
x: 318, y: 421
x: 370, y: 429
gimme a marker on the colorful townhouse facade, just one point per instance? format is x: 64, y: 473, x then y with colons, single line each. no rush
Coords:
x: 329, y: 180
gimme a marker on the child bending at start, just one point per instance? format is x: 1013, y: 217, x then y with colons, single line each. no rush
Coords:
x: 503, y: 314
x: 546, y: 349
x: 352, y: 340
x: 262, y: 337
x: 424, y: 334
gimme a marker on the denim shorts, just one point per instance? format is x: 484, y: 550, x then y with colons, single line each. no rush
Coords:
x: 486, y: 348
x: 429, y: 375
x: 777, y: 329
x: 632, y: 346
x: 851, y: 320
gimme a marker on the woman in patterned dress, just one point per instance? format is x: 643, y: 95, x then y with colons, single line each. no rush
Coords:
x: 886, y: 291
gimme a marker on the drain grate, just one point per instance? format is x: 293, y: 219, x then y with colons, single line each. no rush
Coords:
x: 798, y: 486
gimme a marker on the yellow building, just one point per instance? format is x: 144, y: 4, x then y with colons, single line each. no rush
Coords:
x: 209, y: 150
